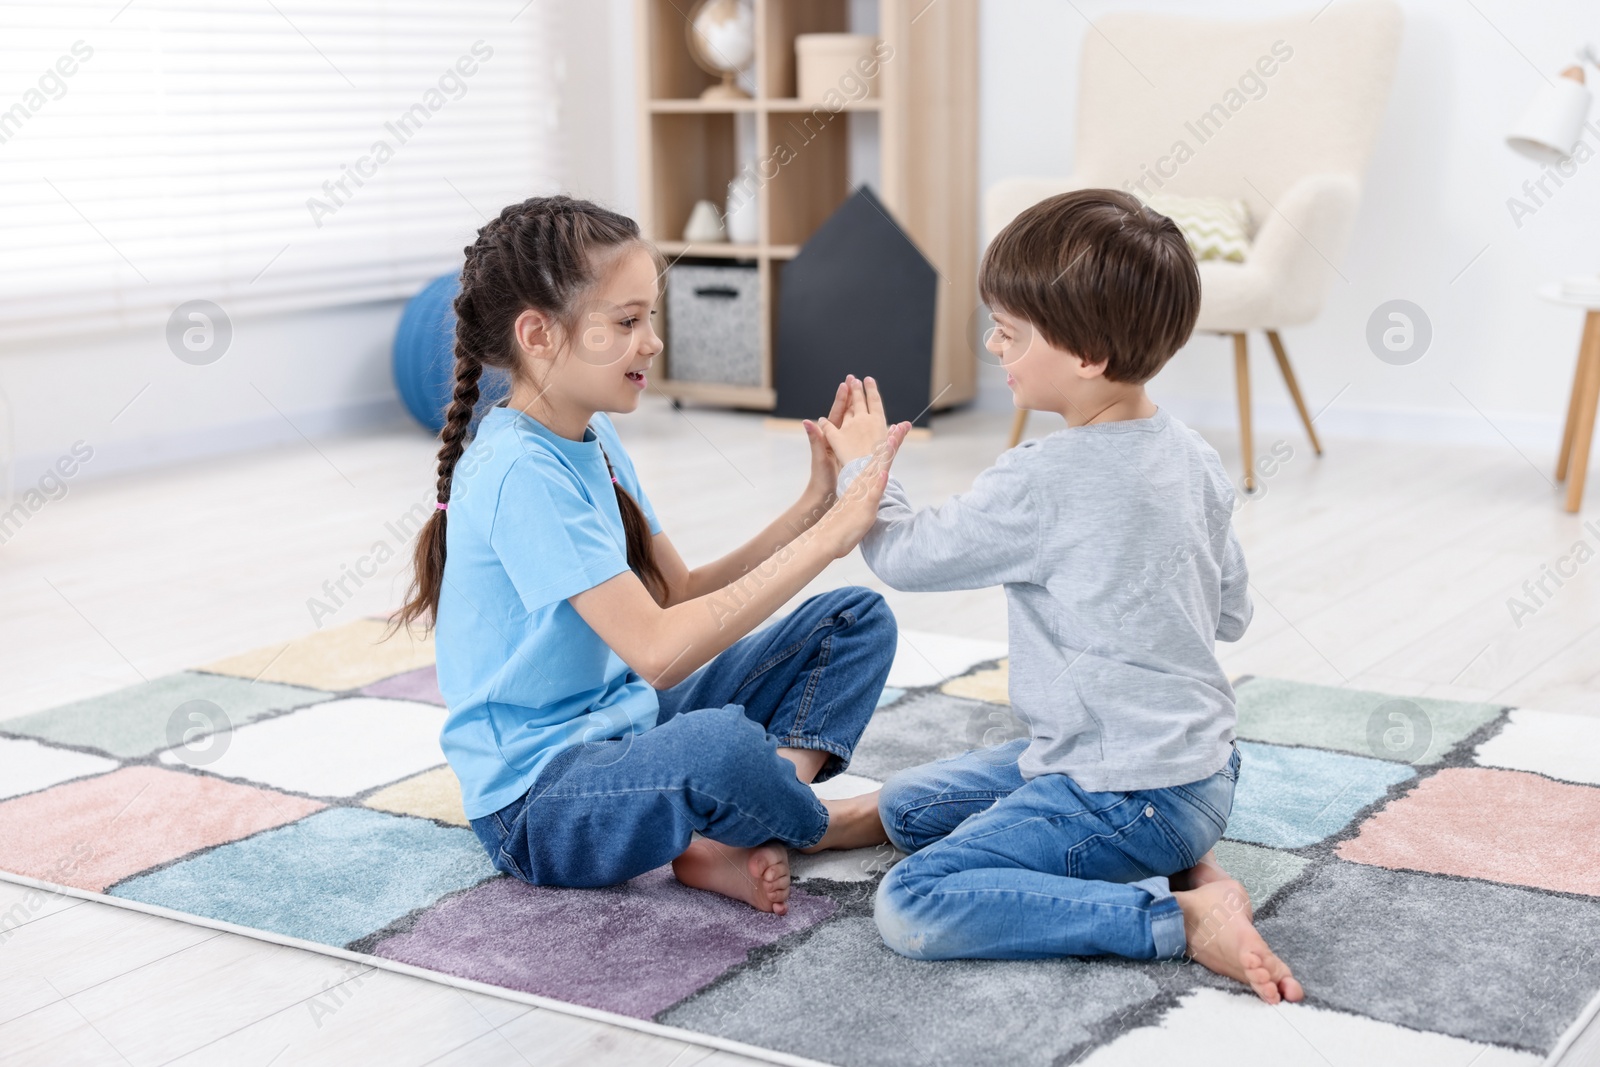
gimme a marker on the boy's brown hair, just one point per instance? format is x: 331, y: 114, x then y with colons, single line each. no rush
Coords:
x: 1100, y: 275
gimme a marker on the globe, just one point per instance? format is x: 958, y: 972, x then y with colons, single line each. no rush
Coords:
x: 722, y: 40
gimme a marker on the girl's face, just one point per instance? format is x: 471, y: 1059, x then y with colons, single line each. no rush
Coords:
x: 616, y: 342
x: 604, y: 364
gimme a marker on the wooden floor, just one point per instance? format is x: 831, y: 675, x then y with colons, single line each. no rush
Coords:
x: 1385, y: 566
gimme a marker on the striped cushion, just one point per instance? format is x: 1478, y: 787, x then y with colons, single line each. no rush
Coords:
x: 1215, y: 226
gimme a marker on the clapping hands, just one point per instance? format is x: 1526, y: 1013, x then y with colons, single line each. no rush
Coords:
x: 856, y: 426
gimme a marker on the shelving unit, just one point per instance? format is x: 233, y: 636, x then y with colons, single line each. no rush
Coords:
x: 927, y: 160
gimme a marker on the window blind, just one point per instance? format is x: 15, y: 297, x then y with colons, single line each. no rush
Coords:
x: 266, y: 155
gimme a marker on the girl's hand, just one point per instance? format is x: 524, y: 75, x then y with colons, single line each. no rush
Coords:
x: 824, y: 463
x: 857, y: 510
x: 862, y: 430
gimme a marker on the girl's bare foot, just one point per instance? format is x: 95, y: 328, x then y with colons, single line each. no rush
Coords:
x: 758, y: 876
x: 853, y: 822
x: 1216, y: 922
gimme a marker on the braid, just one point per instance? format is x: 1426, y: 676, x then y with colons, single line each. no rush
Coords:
x: 641, y: 554
x: 463, y: 402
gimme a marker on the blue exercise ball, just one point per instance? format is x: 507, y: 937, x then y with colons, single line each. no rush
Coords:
x: 424, y: 351
x: 425, y: 357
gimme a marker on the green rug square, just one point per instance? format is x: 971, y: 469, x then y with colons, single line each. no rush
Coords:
x: 160, y: 713
x: 1262, y: 871
x: 1416, y: 730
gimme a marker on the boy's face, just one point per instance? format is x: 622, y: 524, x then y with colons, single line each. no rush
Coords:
x: 1041, y: 376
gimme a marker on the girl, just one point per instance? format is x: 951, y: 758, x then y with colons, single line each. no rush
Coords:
x: 590, y: 744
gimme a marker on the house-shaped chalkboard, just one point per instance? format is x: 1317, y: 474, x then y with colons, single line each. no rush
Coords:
x: 858, y: 299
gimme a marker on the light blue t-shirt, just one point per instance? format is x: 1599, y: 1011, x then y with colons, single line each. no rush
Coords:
x: 533, y: 520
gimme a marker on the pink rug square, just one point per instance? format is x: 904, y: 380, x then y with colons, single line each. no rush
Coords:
x: 97, y: 831
x: 1503, y: 826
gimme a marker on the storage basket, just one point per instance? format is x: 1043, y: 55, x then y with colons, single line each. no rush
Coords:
x: 713, y: 324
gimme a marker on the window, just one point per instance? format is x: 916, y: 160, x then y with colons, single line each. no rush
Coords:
x: 266, y: 155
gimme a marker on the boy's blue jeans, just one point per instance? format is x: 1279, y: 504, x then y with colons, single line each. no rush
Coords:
x: 1002, y: 868
x: 602, y: 812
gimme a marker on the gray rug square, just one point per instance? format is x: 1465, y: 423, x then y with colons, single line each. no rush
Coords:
x: 841, y: 997
x: 1478, y: 960
x: 930, y: 726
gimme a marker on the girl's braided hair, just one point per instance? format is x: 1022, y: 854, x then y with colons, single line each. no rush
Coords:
x: 542, y: 254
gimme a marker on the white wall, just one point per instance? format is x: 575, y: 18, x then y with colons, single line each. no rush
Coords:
x: 599, y: 129
x: 135, y: 404
x: 1435, y: 198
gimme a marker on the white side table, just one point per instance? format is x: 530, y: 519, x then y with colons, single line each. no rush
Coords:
x: 1573, y: 462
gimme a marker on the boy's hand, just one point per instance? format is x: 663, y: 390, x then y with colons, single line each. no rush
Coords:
x: 862, y: 430
x: 850, y: 519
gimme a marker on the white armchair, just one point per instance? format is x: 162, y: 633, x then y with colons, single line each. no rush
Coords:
x: 1279, y: 113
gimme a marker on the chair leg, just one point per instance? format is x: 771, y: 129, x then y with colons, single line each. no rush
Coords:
x: 1583, y: 429
x: 1294, y: 388
x: 1241, y: 375
x: 1019, y: 422
x: 1573, y: 404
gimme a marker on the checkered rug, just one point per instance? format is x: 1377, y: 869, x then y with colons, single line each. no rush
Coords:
x: 1428, y: 868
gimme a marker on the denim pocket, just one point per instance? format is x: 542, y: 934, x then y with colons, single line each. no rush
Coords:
x: 1230, y: 770
x: 1210, y: 797
x: 495, y: 832
x: 490, y: 831
x: 1184, y: 852
x: 507, y: 864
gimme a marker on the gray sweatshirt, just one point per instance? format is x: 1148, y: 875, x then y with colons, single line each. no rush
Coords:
x: 1116, y: 548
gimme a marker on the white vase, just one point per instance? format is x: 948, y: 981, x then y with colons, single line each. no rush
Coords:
x: 705, y: 225
x: 742, y: 219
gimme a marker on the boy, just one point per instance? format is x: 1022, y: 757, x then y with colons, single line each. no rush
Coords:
x: 1114, y: 543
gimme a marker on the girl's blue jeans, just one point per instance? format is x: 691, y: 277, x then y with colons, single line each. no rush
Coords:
x: 601, y: 813
x: 1002, y: 868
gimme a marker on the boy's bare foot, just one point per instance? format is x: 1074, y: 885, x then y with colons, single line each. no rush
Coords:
x: 1216, y: 922
x: 853, y: 822
x: 1205, y: 872
x: 758, y: 876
